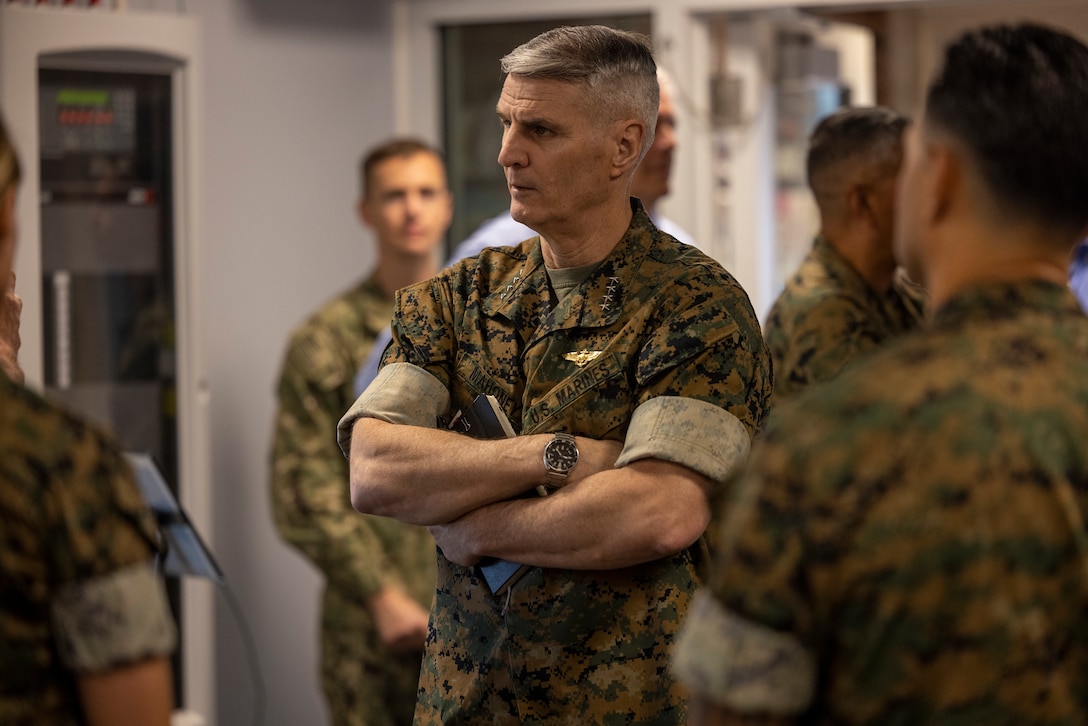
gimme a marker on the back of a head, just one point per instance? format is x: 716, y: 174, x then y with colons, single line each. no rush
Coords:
x: 1015, y: 97
x: 617, y: 67
x: 393, y: 148
x: 851, y: 146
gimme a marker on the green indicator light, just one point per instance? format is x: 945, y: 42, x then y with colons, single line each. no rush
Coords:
x: 73, y: 97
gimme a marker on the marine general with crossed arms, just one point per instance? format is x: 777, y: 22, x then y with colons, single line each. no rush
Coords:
x: 631, y: 366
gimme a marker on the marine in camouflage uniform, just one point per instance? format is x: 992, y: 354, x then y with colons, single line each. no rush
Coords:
x: 828, y: 316
x: 363, y: 681
x: 908, y: 546
x: 848, y: 297
x: 78, y: 593
x: 682, y: 373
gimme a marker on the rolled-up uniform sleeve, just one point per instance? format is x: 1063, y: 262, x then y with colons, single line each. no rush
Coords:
x: 705, y: 382
x: 747, y: 643
x: 743, y: 665
x: 687, y: 431
x: 109, y: 608
x: 112, y: 620
x: 401, y: 393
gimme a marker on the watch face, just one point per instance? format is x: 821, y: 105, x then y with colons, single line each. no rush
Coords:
x: 561, y: 455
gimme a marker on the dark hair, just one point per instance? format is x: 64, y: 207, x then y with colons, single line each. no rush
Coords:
x: 394, y: 148
x: 863, y: 141
x: 1016, y: 97
x: 10, y: 172
x: 617, y: 65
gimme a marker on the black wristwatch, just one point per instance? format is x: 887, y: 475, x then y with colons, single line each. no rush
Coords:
x: 560, y: 456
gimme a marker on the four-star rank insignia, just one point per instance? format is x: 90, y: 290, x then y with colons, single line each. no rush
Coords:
x: 582, y: 357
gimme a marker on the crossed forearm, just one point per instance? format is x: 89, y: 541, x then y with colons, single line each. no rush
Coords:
x: 617, y: 518
x: 430, y: 476
x: 469, y: 492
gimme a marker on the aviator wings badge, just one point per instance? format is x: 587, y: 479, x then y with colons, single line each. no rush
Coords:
x: 582, y: 357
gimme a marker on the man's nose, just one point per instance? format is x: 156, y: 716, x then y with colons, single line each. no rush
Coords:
x: 413, y: 204
x: 510, y: 152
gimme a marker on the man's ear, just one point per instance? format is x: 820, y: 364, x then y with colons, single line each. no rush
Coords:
x: 449, y: 208
x: 944, y: 180
x: 363, y: 211
x: 629, y: 137
x: 857, y: 201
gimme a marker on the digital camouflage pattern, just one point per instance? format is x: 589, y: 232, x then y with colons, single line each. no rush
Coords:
x: 575, y: 646
x: 358, y: 554
x: 827, y: 317
x: 70, y: 517
x: 917, y: 524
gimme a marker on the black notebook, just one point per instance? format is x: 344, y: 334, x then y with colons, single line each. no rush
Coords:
x: 485, y: 419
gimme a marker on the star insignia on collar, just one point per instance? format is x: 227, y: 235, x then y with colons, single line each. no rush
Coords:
x: 613, y: 283
x: 582, y: 357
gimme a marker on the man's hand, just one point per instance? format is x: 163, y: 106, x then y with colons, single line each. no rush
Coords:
x: 11, y: 308
x: 457, y: 539
x: 454, y: 539
x: 401, y: 622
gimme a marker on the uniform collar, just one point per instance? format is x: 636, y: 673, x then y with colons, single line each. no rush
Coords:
x: 995, y: 301
x: 597, y: 302
x: 840, y: 268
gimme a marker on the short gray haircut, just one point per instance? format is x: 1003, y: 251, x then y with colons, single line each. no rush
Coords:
x: 616, y: 66
x: 852, y: 142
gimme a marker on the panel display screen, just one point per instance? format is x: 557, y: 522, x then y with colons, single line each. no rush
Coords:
x: 84, y: 120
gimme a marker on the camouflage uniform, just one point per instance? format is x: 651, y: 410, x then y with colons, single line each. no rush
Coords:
x: 827, y: 316
x: 908, y: 545
x: 571, y: 646
x: 363, y: 682
x: 78, y: 594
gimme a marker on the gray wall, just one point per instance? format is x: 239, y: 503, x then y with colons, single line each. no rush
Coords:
x: 293, y: 91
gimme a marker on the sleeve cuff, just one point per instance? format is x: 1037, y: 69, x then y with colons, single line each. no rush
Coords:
x: 742, y: 665
x: 401, y: 393
x: 687, y: 431
x: 118, y: 618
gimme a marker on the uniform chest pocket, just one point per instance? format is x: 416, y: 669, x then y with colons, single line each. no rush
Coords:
x: 593, y: 399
